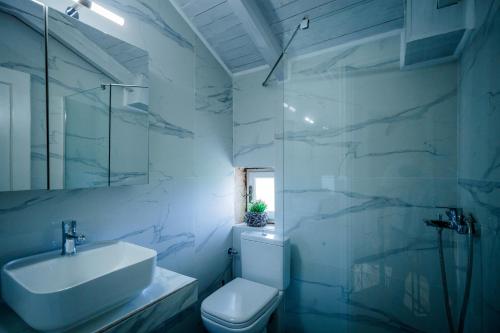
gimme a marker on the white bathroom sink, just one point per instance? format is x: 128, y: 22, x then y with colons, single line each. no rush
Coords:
x: 54, y: 292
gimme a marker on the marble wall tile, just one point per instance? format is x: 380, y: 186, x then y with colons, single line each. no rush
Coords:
x: 480, y: 100
x: 479, y: 168
x: 371, y: 221
x: 213, y: 115
x: 370, y: 118
x: 408, y: 305
x: 256, y: 118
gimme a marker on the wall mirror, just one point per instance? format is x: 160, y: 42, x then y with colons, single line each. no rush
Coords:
x: 95, y: 103
x: 23, y: 130
x: 98, y: 107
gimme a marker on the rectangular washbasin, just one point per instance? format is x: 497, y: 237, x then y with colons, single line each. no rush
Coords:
x: 53, y: 292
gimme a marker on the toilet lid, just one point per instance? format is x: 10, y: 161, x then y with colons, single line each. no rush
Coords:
x: 239, y: 301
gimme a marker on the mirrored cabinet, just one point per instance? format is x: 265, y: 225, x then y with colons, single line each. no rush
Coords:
x: 23, y: 97
x: 88, y: 127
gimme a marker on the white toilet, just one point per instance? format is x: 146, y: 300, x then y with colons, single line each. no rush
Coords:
x: 245, y: 304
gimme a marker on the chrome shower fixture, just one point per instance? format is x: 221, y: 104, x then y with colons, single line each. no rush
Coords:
x: 457, y: 221
x: 463, y: 225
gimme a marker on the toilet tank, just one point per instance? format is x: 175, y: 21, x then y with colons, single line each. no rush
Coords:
x: 265, y: 258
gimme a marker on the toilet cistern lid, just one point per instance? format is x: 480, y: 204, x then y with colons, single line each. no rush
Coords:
x: 265, y: 237
x: 239, y: 301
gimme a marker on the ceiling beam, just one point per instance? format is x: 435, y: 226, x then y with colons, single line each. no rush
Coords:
x: 178, y: 5
x: 257, y: 27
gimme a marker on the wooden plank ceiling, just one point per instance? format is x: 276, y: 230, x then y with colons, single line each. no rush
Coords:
x: 332, y: 22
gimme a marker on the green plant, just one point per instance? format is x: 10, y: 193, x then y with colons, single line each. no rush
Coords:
x: 258, y: 206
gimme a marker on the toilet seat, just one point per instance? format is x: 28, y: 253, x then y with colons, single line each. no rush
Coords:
x: 239, y: 304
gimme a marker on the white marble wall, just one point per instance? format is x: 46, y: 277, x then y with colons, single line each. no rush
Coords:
x: 186, y: 212
x: 257, y: 113
x: 479, y: 167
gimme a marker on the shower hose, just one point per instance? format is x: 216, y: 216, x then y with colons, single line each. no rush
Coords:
x: 465, y: 301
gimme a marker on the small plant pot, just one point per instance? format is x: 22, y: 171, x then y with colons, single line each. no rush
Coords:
x: 256, y: 219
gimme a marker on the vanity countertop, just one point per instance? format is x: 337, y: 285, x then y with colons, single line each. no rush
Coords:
x: 168, y: 294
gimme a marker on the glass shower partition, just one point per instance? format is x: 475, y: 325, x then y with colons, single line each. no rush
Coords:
x: 369, y: 153
x: 105, y: 136
x: 129, y: 158
x: 86, y: 139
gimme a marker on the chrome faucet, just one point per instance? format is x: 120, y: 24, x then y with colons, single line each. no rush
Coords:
x: 70, y: 238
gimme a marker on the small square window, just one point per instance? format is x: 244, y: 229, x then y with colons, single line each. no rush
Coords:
x: 260, y: 186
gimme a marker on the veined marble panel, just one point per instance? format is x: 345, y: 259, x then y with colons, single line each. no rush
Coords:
x: 364, y: 220
x: 407, y: 305
x: 480, y: 100
x: 479, y: 166
x: 214, y: 115
x: 370, y: 118
x: 256, y: 118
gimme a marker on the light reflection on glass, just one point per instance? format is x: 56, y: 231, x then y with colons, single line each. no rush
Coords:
x: 416, y: 294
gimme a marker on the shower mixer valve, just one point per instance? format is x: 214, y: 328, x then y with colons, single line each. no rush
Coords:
x: 456, y: 221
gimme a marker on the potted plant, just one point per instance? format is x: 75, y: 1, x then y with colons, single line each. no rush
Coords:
x: 256, y: 215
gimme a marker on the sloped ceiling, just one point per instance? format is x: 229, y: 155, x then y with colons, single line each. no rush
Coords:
x: 332, y: 22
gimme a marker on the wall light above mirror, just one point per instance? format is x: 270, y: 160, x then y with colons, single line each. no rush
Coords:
x: 95, y: 7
